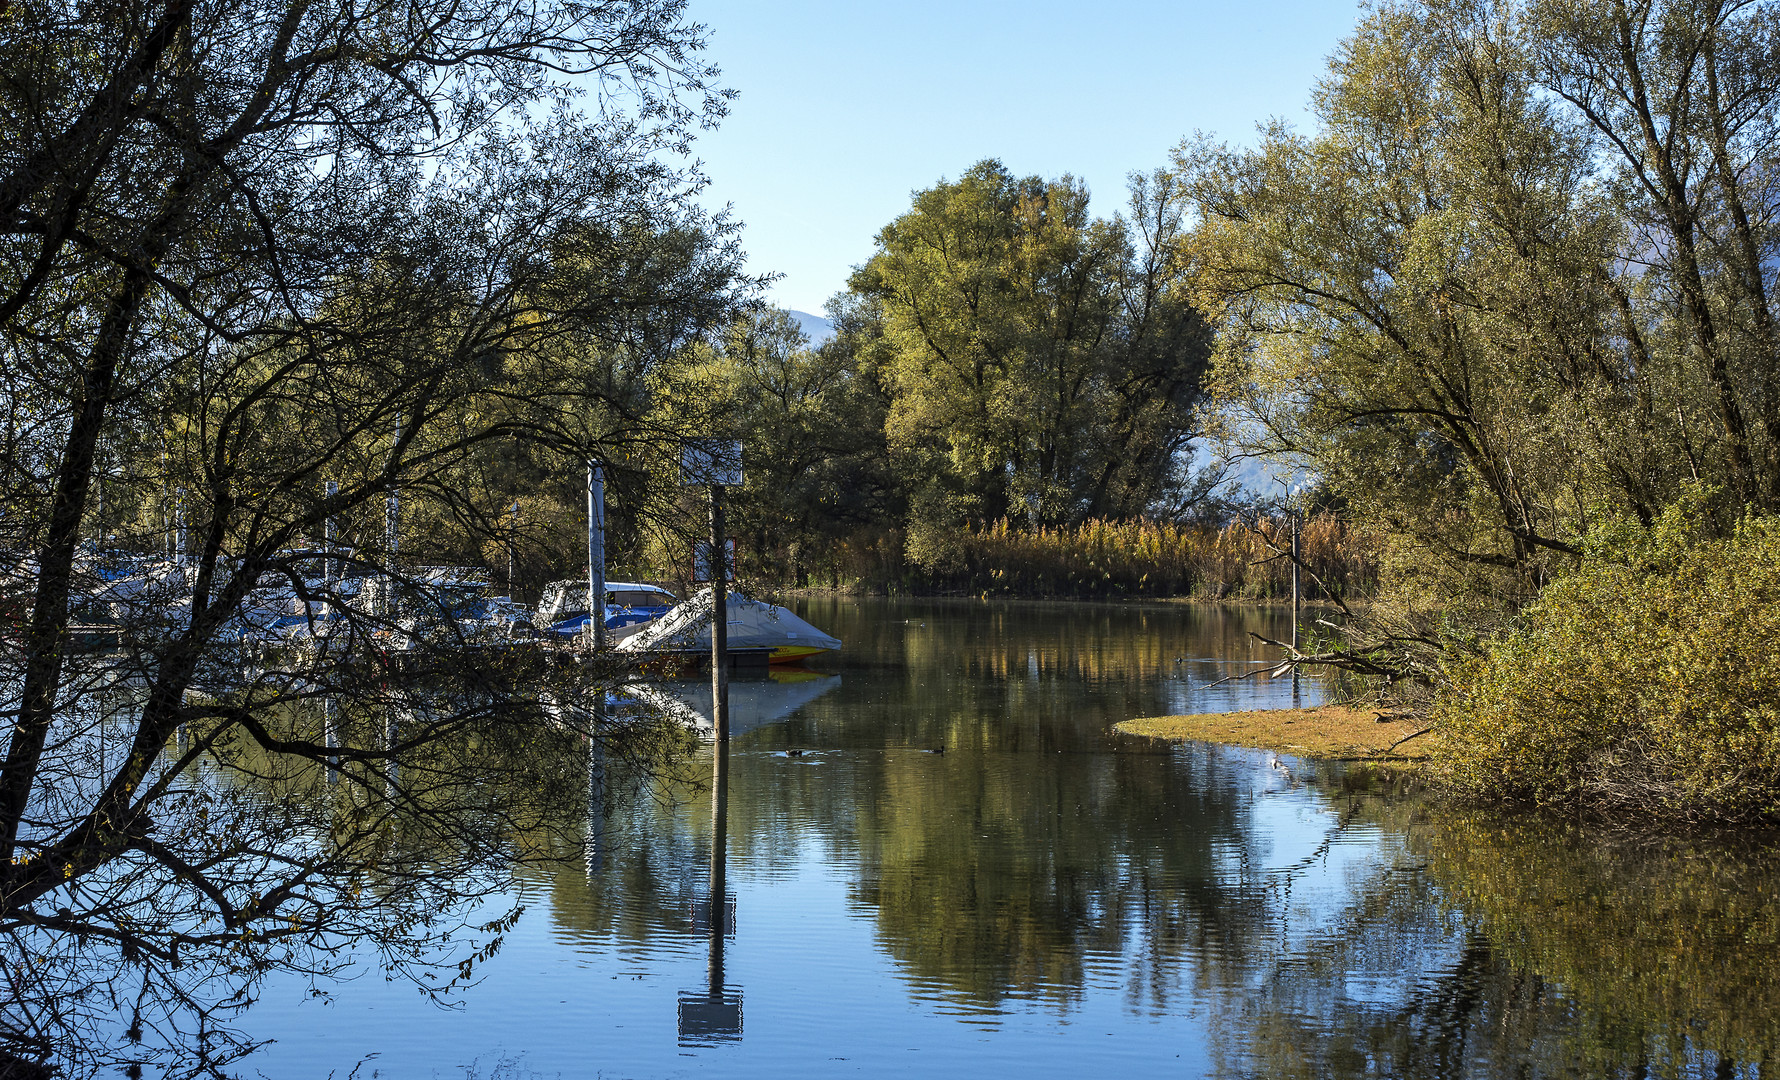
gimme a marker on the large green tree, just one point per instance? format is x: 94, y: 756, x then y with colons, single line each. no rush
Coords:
x: 813, y: 421
x: 1041, y: 363
x: 1517, y: 280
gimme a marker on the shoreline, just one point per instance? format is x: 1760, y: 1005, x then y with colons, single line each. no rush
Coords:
x: 1325, y: 732
x: 852, y: 593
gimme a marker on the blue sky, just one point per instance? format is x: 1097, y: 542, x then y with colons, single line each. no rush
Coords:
x: 847, y: 108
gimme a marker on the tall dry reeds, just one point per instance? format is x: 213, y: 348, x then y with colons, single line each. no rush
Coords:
x: 1147, y: 558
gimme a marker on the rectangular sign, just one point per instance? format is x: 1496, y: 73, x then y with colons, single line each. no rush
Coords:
x: 712, y: 461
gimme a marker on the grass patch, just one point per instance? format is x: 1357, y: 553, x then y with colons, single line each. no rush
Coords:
x: 1328, y: 731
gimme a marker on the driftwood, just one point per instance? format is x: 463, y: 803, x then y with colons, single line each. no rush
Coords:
x: 1363, y: 661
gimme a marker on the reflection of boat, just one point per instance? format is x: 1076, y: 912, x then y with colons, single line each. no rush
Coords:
x: 753, y: 703
x: 754, y: 626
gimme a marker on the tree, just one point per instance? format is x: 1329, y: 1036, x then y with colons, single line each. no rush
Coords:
x: 1513, y: 287
x: 249, y: 253
x: 813, y: 420
x: 1680, y: 99
x: 1041, y: 365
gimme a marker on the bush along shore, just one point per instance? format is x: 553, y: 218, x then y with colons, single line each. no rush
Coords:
x: 1643, y: 686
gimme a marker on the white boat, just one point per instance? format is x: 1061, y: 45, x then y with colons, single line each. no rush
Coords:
x: 753, y: 626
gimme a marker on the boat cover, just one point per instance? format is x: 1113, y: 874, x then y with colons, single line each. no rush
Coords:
x: 753, y: 624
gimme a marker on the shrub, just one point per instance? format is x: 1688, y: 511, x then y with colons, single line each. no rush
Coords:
x: 1646, y: 681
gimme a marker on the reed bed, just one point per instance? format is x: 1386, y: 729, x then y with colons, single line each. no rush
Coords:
x: 1234, y: 561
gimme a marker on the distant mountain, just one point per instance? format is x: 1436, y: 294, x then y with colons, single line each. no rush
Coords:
x: 815, y: 327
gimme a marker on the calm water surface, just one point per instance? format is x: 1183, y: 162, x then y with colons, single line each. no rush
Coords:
x: 1044, y: 898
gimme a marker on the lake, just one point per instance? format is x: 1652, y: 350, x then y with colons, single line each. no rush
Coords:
x: 939, y: 859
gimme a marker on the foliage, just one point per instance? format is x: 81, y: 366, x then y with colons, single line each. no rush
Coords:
x: 1004, y: 356
x: 1040, y: 365
x: 1514, y: 284
x: 812, y: 424
x: 429, y: 255
x: 1645, y: 682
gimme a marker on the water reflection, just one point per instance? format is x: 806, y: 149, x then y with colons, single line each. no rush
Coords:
x: 595, y: 842
x: 948, y: 862
x: 713, y: 1012
x: 1499, y: 947
x: 755, y: 700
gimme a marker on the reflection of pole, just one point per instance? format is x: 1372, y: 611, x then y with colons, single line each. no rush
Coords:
x: 719, y: 625
x: 390, y: 734
x: 330, y: 734
x: 715, y: 1010
x: 719, y: 919
x: 596, y: 556
x: 596, y: 799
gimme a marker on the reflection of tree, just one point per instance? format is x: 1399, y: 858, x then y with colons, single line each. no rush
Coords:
x: 656, y: 843
x: 297, y: 866
x: 1520, y: 948
x: 988, y: 881
x: 1667, y: 944
x: 990, y: 877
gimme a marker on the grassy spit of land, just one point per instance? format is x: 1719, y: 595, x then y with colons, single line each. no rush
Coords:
x: 1336, y: 732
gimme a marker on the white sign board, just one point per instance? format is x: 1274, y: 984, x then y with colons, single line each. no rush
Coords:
x: 712, y: 461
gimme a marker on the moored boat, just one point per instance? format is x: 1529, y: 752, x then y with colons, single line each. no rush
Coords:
x: 562, y: 611
x: 753, y: 625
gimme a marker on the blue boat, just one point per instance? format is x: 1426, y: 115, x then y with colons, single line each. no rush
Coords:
x: 562, y: 612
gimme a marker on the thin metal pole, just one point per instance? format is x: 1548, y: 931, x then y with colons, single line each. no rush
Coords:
x: 719, y: 626
x: 392, y: 517
x: 392, y: 504
x: 330, y: 735
x: 1293, y: 510
x: 512, y: 534
x: 330, y: 533
x: 596, y: 556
